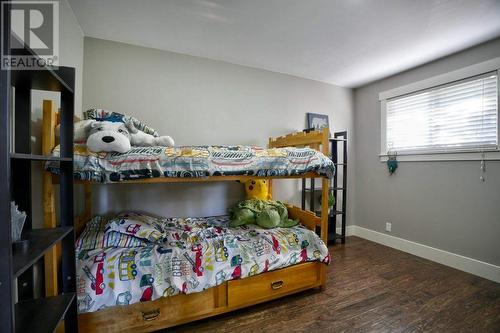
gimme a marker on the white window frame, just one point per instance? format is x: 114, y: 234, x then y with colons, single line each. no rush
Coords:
x: 460, y: 74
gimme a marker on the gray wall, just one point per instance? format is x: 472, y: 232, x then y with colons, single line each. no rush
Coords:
x: 440, y: 204
x: 200, y: 101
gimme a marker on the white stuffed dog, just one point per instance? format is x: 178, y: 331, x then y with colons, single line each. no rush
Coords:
x: 107, y: 136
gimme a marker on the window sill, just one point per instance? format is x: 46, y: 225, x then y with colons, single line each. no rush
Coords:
x: 442, y: 157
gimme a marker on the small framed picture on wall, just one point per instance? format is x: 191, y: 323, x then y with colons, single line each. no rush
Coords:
x: 317, y: 121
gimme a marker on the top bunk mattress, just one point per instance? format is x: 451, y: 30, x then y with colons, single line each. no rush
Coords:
x: 194, y: 162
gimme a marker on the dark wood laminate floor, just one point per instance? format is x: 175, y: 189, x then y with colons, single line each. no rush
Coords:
x: 373, y: 288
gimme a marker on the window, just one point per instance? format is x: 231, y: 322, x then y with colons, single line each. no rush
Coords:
x: 449, y: 117
x: 459, y: 116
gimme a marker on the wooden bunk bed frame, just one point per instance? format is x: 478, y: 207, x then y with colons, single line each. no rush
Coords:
x: 231, y: 295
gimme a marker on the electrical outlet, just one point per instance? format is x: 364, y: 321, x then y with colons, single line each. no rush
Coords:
x: 388, y: 226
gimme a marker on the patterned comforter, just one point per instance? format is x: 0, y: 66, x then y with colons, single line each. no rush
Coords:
x: 194, y: 161
x: 192, y: 255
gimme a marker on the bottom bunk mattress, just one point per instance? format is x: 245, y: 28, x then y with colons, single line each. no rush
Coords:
x: 136, y: 258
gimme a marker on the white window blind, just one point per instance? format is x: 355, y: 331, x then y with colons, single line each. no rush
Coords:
x: 459, y: 116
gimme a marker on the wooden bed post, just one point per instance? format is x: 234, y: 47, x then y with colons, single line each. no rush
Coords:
x: 52, y: 256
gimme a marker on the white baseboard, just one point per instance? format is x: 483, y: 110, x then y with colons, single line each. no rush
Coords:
x: 349, y: 230
x: 469, y: 265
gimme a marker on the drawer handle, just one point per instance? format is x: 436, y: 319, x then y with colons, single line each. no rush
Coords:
x: 277, y: 285
x: 151, y: 315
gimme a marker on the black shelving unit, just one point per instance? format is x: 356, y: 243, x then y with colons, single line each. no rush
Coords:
x: 42, y: 315
x: 40, y: 241
x: 339, y: 138
x: 33, y: 157
x: 20, y: 311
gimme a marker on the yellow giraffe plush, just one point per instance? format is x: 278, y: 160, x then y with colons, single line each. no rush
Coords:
x: 257, y: 189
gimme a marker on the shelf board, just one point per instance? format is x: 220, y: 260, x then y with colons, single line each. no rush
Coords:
x: 46, y: 78
x: 42, y: 314
x: 40, y: 241
x: 35, y: 157
x: 331, y: 189
x: 335, y: 139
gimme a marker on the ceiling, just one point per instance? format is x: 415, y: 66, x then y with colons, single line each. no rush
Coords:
x: 343, y: 42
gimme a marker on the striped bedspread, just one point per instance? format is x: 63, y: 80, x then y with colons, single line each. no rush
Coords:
x: 195, y: 161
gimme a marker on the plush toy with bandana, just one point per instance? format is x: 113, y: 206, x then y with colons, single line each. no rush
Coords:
x: 114, y: 132
x: 260, y: 209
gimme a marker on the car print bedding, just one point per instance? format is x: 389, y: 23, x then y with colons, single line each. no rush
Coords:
x: 192, y: 255
x: 194, y: 161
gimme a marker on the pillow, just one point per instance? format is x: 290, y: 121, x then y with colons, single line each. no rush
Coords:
x: 139, y: 225
x: 95, y: 236
x: 106, y: 115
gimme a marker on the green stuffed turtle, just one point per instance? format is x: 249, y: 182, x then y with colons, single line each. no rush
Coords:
x: 264, y: 213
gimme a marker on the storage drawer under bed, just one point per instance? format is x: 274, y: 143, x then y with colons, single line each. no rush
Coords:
x: 151, y: 316
x: 175, y: 310
x: 272, y: 284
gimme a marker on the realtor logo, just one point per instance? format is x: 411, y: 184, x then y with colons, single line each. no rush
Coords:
x: 34, y: 25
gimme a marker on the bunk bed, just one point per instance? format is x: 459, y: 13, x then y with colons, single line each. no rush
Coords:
x: 224, y: 296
